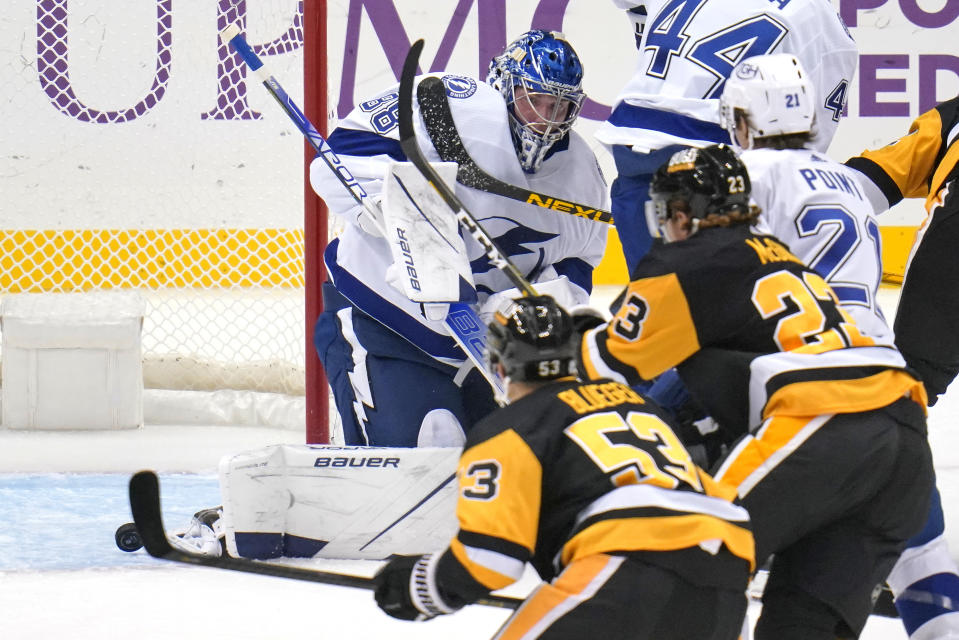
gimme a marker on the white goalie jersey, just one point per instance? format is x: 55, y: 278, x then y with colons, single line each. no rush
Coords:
x: 818, y: 208
x: 689, y: 48
x: 544, y: 244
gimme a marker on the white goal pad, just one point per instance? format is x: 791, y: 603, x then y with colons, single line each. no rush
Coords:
x: 430, y: 263
x: 339, y: 502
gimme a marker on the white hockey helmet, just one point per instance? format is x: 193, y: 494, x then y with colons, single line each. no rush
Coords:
x: 775, y: 93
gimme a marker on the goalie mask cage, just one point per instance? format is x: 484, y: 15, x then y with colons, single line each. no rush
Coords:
x: 140, y: 154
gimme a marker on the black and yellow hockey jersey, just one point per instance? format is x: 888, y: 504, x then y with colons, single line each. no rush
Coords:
x: 751, y: 330
x: 921, y: 162
x: 572, y: 470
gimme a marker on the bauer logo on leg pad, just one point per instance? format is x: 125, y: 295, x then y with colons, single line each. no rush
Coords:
x: 341, y: 461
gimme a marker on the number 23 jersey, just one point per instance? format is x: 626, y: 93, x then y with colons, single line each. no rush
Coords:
x: 819, y: 210
x: 752, y: 331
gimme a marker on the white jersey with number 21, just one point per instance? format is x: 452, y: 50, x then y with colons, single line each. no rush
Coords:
x: 819, y: 210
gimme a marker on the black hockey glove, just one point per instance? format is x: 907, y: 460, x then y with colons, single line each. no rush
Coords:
x: 406, y: 589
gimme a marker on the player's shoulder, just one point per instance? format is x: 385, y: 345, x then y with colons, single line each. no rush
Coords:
x: 533, y: 417
x: 760, y: 160
x: 948, y: 112
x: 466, y: 92
x: 579, y: 145
x: 569, y: 165
x: 772, y: 161
x: 702, y: 255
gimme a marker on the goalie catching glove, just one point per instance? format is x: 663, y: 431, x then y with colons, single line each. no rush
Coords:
x: 406, y: 589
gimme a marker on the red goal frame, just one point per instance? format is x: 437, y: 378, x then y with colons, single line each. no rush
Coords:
x: 315, y: 91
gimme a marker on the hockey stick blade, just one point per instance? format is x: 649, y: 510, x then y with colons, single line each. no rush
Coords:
x: 435, y: 107
x: 145, y: 505
x: 413, y: 153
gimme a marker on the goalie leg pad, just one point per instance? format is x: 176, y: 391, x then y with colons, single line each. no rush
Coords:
x: 339, y: 502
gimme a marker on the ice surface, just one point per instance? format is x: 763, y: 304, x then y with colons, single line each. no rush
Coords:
x: 63, y: 495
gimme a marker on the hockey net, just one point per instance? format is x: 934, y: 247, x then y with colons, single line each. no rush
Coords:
x: 139, y: 154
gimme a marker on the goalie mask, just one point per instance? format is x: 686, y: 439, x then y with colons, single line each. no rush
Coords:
x: 534, y: 341
x: 775, y: 94
x: 541, y: 78
x: 699, y: 182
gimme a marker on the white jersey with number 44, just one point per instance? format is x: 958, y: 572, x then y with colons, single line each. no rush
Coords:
x: 690, y: 47
x: 818, y: 208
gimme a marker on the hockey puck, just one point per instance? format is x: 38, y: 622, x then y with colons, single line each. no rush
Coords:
x: 128, y: 538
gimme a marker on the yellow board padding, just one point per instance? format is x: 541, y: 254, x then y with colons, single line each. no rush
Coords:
x: 44, y: 260
x: 896, y: 244
x: 612, y: 268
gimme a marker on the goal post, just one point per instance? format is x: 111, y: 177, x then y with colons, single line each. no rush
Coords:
x: 315, y: 225
x: 139, y: 155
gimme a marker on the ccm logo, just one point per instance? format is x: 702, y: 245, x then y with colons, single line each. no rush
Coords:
x: 341, y: 461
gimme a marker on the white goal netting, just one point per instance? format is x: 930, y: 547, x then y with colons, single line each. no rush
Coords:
x: 138, y: 153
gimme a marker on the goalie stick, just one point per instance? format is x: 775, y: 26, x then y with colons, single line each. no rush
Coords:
x: 435, y: 107
x: 413, y: 153
x: 145, y: 506
x: 463, y: 323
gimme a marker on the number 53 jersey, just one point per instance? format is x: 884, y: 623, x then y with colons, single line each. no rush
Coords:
x: 751, y: 330
x: 573, y: 470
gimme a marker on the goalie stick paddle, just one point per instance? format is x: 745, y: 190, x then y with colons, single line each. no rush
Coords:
x: 463, y: 323
x: 413, y: 153
x: 145, y: 505
x: 435, y: 107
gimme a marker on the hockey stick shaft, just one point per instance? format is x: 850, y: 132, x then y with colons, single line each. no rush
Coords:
x: 144, y: 492
x: 434, y: 104
x: 466, y: 219
x: 464, y: 325
x: 232, y: 36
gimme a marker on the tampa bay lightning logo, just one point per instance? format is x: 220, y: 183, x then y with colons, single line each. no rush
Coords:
x: 518, y: 243
x: 459, y: 86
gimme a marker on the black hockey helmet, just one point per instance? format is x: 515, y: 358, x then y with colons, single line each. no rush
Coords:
x: 534, y: 340
x: 709, y: 180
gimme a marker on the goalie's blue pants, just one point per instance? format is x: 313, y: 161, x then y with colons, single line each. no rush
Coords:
x: 388, y: 392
